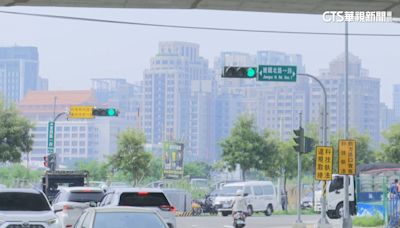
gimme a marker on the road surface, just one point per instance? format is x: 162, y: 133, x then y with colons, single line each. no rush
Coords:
x: 276, y: 221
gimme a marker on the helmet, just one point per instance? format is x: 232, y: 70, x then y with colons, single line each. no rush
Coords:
x: 239, y: 192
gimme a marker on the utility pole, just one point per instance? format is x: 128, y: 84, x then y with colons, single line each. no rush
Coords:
x: 347, y: 223
x: 300, y: 142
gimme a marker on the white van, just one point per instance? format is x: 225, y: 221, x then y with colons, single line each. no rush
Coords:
x: 261, y: 197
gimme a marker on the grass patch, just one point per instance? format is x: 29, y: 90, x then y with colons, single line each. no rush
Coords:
x: 294, y: 212
x: 368, y: 221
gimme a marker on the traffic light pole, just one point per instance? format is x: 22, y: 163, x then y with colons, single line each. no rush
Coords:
x: 299, y: 223
x: 323, y: 222
x: 52, y: 157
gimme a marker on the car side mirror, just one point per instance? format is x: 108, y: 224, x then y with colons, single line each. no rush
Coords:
x: 246, y: 194
x: 92, y: 204
x: 337, y: 192
x: 58, y: 207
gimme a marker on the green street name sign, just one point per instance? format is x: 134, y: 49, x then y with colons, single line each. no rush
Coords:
x: 277, y: 73
x: 50, y: 137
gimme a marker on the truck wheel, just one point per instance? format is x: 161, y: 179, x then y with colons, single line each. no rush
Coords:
x: 249, y: 210
x: 339, y: 210
x: 269, y: 210
x: 225, y: 213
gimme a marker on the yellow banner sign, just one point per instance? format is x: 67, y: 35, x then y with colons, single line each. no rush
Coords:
x: 347, y: 157
x: 81, y: 112
x: 323, y: 163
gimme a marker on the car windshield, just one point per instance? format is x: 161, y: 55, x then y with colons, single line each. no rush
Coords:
x: 126, y: 219
x: 143, y: 199
x: 215, y: 193
x: 85, y: 196
x: 230, y: 190
x: 17, y: 201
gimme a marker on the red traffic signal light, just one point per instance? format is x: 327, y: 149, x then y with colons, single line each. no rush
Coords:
x: 46, y: 161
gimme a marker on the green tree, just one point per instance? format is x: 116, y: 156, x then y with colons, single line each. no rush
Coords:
x: 391, y: 150
x: 17, y: 175
x: 131, y: 156
x: 197, y: 169
x: 155, y: 169
x: 97, y: 171
x: 246, y: 147
x: 15, y: 134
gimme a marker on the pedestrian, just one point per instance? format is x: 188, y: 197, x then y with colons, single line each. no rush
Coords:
x: 394, y: 189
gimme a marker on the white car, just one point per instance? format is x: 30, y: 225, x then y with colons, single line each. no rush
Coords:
x: 70, y: 203
x: 260, y: 196
x: 26, y: 208
x: 115, y: 217
x: 142, y: 197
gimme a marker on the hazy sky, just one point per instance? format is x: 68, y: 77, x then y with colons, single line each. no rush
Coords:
x: 73, y: 52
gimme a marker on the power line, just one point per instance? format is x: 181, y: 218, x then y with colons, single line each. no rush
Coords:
x: 198, y: 27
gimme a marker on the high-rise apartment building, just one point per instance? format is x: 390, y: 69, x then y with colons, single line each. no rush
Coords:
x: 19, y: 68
x: 169, y: 101
x: 363, y: 98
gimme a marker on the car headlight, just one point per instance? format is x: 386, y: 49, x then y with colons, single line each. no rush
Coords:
x: 52, y: 221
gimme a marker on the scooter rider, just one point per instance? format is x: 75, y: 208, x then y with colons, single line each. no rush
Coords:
x: 239, y: 204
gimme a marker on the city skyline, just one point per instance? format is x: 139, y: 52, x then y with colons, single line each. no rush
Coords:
x: 182, y: 98
x: 92, y: 53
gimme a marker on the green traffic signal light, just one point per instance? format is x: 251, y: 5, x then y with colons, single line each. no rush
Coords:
x: 111, y: 112
x: 251, y: 72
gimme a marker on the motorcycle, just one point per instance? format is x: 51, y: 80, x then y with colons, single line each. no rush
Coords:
x: 197, y: 209
x: 239, y: 219
x: 208, y: 206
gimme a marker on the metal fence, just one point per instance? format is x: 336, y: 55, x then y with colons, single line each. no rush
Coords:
x: 374, y: 198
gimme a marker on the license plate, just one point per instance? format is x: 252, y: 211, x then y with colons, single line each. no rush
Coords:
x: 239, y: 222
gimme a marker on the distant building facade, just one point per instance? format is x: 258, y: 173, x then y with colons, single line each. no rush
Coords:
x: 169, y: 101
x: 120, y: 94
x: 364, y: 93
x: 19, y: 67
x: 387, y: 117
x: 396, y: 100
x: 75, y: 139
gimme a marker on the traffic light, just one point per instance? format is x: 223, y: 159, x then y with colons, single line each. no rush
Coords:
x: 105, y: 112
x: 52, y: 160
x: 239, y: 72
x: 299, y: 139
x: 309, y: 144
x: 45, y: 161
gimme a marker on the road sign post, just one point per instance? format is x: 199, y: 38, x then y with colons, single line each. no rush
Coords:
x: 277, y: 73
